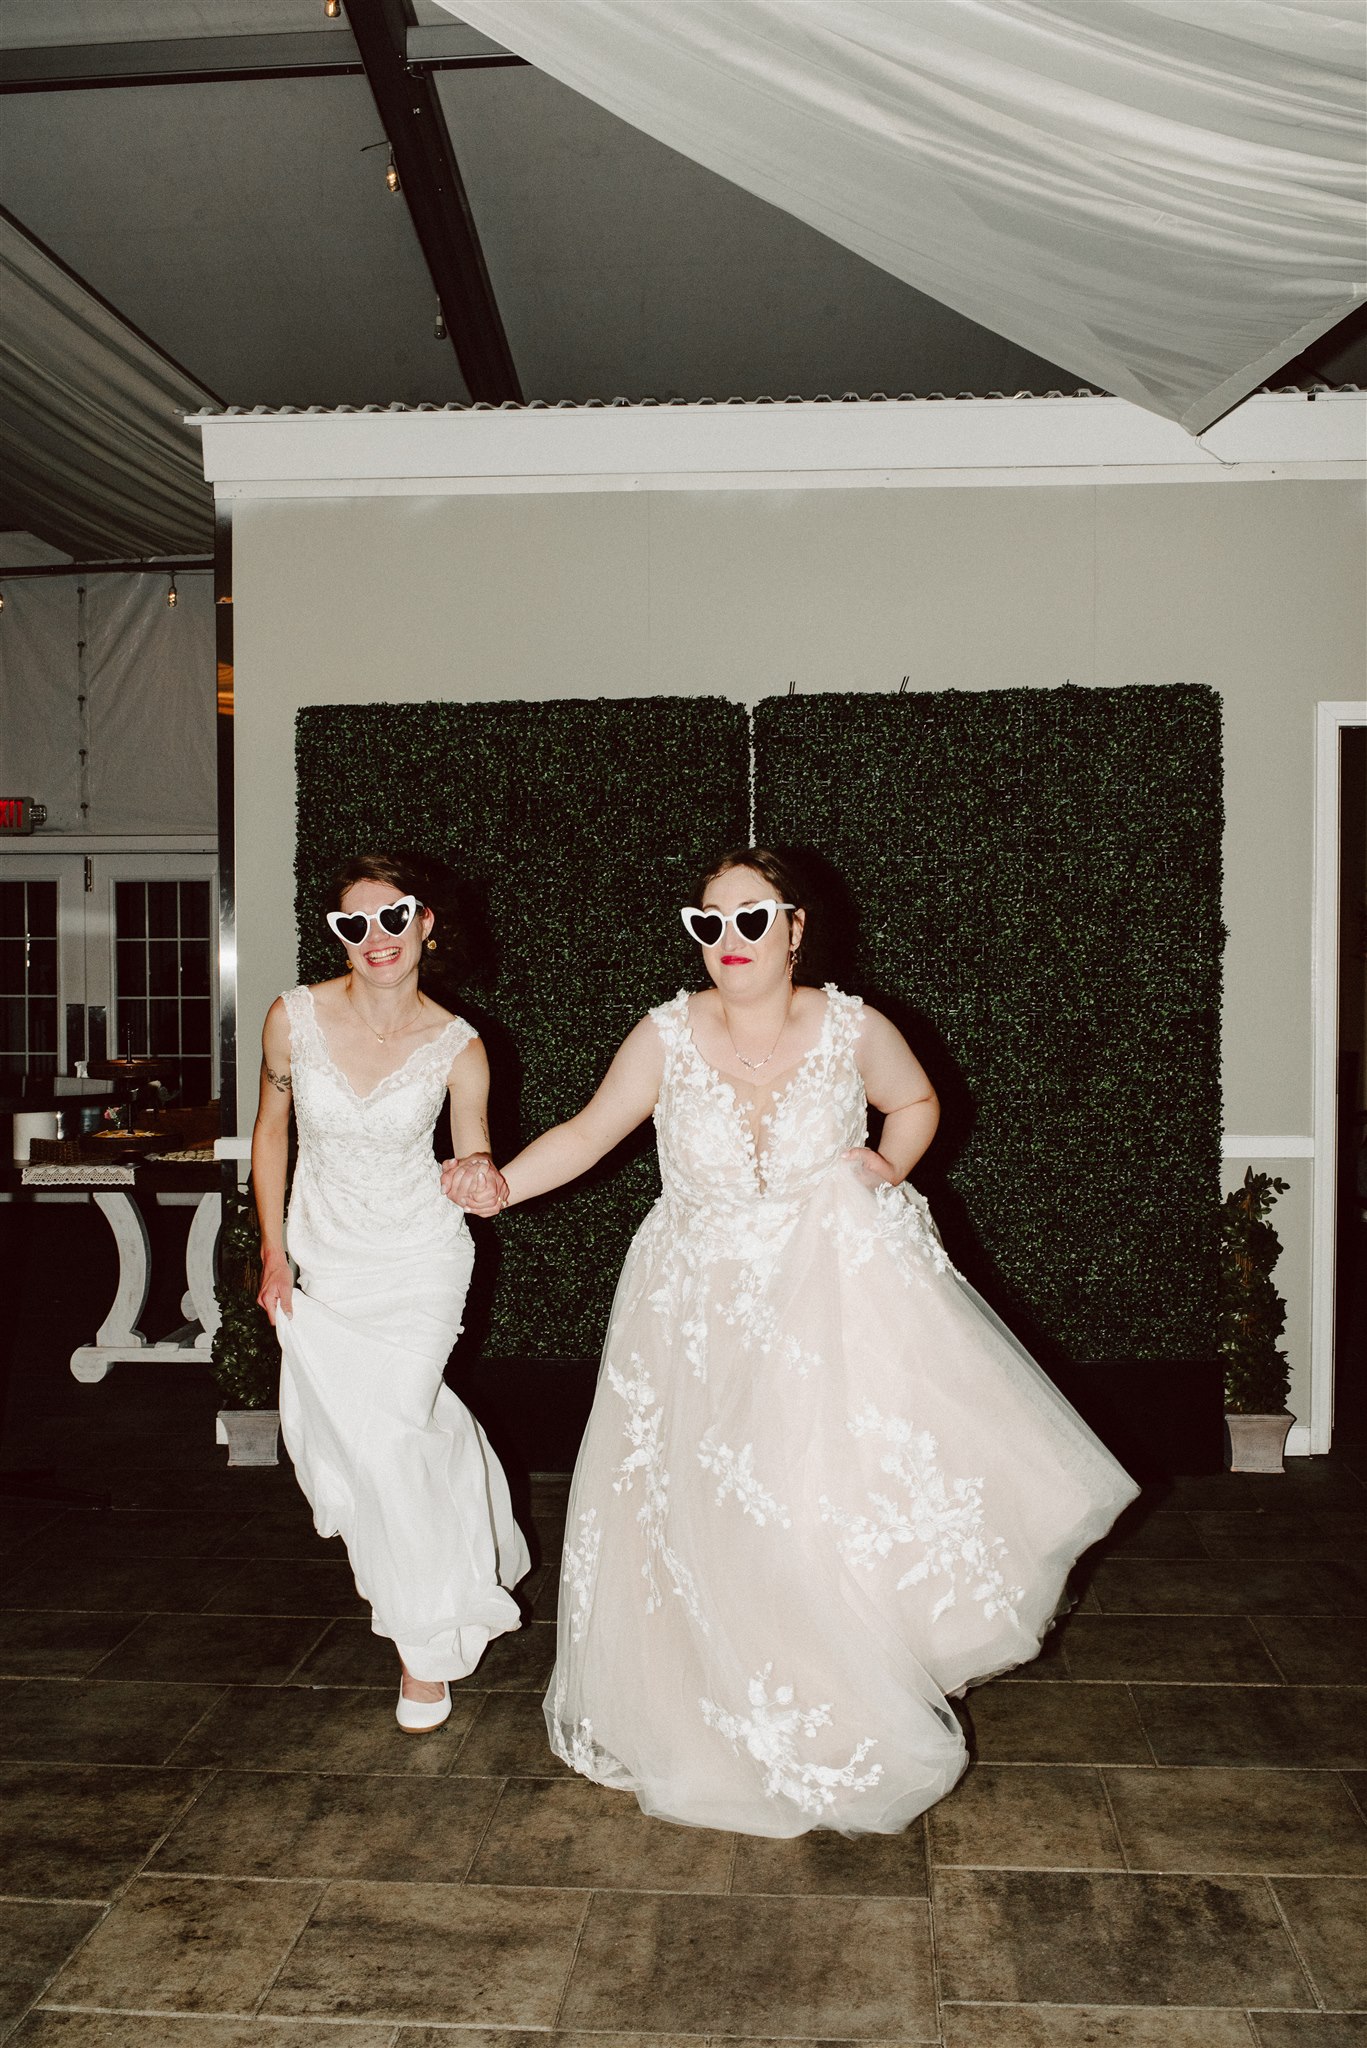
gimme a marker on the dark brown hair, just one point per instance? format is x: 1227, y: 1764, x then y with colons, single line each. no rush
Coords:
x: 415, y: 874
x: 784, y: 876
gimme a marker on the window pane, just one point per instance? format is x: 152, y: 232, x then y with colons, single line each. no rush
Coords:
x: 12, y: 909
x: 41, y: 921
x: 130, y: 908
x: 132, y: 967
x: 194, y: 968
x: 165, y: 1027
x: 163, y: 975
x: 12, y: 967
x: 195, y: 908
x: 42, y: 1027
x: 12, y: 1033
x: 42, y: 967
x: 194, y: 1027
x: 163, y: 919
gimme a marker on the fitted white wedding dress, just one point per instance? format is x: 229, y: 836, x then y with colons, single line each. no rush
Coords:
x: 387, y: 1455
x: 822, y: 1485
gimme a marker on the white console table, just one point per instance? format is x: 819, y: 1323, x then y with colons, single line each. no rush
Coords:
x: 118, y: 1339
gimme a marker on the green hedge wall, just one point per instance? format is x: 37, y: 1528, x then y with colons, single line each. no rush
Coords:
x: 581, y: 822
x: 1037, y: 872
x: 1035, y: 877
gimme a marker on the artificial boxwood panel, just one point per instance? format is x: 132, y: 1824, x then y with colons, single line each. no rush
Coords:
x: 583, y: 822
x: 1037, y: 873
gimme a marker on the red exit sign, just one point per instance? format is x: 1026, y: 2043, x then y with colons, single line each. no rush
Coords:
x: 16, y: 813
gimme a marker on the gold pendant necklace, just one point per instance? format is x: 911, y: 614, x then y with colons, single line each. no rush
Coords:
x: 393, y: 1034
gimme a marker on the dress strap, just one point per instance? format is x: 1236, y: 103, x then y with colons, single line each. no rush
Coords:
x: 453, y: 1039
x: 844, y: 1021
x: 305, y: 1036
x: 671, y: 1021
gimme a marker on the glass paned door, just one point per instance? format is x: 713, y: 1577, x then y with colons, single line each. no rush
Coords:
x: 28, y: 978
x: 163, y: 975
x: 42, y: 965
x: 106, y: 953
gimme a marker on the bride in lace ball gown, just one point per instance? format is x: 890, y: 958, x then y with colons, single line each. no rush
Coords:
x: 822, y: 1486
x: 387, y: 1455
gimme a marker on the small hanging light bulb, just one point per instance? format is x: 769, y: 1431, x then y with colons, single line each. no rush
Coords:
x: 439, y: 330
x: 171, y: 598
x: 332, y: 8
x: 391, y: 176
x: 2, y: 600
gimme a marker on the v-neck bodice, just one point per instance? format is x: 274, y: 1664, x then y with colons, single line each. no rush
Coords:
x: 366, y: 1163
x: 738, y: 1165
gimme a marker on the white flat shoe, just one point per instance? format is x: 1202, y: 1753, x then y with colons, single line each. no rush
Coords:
x: 420, y: 1717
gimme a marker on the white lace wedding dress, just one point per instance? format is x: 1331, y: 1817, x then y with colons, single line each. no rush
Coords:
x: 822, y: 1485
x: 385, y: 1452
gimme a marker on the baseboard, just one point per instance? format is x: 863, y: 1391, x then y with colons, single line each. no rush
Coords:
x: 1298, y: 1441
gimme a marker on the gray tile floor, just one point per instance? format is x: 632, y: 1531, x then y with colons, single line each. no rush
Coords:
x: 212, y: 1835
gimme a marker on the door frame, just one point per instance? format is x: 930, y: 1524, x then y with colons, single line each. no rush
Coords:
x: 1331, y: 719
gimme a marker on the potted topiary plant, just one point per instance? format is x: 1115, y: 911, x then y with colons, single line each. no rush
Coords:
x: 1252, y: 1315
x: 246, y: 1354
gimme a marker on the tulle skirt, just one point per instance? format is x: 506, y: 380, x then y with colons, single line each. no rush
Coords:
x: 817, y: 1495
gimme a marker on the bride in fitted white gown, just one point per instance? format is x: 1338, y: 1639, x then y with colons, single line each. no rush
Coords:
x: 822, y: 1486
x: 387, y: 1455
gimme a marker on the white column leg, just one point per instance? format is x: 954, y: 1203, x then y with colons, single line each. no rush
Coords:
x: 119, y: 1332
x: 124, y: 1217
x: 199, y: 1268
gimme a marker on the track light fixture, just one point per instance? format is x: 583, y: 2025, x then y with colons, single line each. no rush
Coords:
x: 332, y: 8
x: 439, y: 330
x: 171, y: 598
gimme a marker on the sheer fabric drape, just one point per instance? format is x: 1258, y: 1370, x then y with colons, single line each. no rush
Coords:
x: 1163, y: 195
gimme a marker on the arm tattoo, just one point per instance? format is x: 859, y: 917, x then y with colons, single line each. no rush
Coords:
x: 280, y: 1081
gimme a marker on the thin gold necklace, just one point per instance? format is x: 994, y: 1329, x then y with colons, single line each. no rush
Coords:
x: 393, y: 1034
x: 755, y: 1065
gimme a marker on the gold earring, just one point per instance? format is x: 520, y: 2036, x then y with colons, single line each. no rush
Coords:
x: 431, y: 945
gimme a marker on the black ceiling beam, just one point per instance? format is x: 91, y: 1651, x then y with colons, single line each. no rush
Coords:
x: 411, y: 115
x: 163, y: 565
x: 188, y: 60
x: 224, y: 60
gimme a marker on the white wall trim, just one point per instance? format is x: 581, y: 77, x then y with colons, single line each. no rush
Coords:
x: 1331, y: 718
x: 1235, y: 1145
x: 1298, y: 1441
x: 41, y: 842
x: 859, y: 444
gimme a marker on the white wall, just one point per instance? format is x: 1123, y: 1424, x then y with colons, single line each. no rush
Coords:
x: 1256, y: 588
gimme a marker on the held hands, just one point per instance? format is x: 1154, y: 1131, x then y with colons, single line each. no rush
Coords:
x: 475, y: 1184
x: 277, y: 1285
x: 872, y: 1167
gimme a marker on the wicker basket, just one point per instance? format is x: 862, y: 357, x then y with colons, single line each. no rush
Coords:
x: 56, y: 1151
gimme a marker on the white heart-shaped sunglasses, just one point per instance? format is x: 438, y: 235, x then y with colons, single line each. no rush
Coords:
x: 352, y: 926
x: 751, y: 922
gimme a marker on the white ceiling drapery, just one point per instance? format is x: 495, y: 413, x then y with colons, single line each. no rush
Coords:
x: 1166, y: 196
x: 93, y: 446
